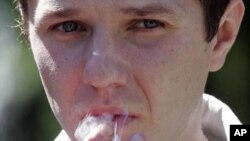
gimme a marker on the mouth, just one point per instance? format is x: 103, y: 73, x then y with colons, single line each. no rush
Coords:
x: 119, y: 119
x: 114, y: 115
x: 122, y: 120
x: 113, y: 122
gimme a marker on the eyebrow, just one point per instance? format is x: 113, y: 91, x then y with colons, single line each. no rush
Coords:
x: 50, y: 14
x: 148, y: 10
x: 62, y: 13
x: 134, y: 11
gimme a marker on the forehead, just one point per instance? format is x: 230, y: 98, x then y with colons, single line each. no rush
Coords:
x: 45, y: 6
x: 105, y: 2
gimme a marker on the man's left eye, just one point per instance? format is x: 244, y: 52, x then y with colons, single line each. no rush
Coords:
x: 148, y: 24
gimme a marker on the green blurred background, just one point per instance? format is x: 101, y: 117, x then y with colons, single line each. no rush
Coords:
x: 24, y: 111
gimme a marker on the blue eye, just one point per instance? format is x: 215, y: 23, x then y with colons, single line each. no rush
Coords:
x: 148, y: 24
x: 69, y: 26
x: 151, y: 23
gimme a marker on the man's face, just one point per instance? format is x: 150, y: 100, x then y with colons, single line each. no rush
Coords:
x: 147, y: 58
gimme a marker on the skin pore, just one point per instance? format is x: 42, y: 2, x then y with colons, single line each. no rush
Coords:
x: 149, y: 56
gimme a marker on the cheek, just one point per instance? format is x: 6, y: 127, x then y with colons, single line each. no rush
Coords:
x: 61, y: 72
x: 60, y: 69
x: 173, y: 77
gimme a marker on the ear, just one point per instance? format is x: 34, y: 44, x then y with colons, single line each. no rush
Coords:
x: 227, y: 33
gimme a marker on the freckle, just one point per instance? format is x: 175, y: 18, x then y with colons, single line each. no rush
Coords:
x: 66, y: 59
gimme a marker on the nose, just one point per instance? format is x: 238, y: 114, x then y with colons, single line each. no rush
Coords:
x: 101, y: 72
x: 103, y: 68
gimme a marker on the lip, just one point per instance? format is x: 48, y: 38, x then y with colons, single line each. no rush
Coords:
x: 120, y: 115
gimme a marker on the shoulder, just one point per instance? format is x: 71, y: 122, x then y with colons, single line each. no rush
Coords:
x: 217, y: 118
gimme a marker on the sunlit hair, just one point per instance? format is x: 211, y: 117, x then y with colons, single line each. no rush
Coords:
x: 213, y: 11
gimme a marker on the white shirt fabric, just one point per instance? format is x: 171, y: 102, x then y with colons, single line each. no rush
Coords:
x: 216, y: 120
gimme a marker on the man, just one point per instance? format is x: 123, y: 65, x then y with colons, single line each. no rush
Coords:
x: 144, y: 62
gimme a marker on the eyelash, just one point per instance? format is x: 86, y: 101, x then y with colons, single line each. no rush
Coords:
x: 138, y: 24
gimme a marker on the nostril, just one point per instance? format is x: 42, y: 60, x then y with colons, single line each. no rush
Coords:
x: 105, y: 79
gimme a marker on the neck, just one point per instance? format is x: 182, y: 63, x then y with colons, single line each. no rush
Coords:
x: 193, y: 130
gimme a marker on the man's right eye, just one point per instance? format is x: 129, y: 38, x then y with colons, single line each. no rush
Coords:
x: 69, y: 26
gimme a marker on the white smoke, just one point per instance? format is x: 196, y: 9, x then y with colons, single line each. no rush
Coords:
x: 103, y: 125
